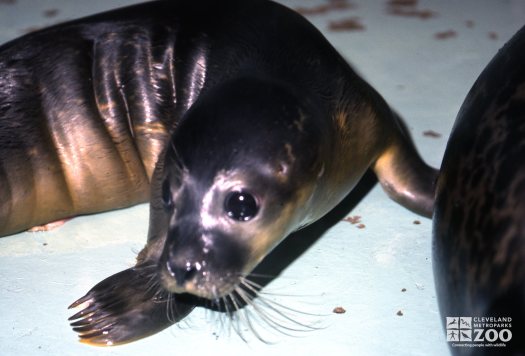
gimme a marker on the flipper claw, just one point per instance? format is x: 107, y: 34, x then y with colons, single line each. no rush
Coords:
x: 125, y: 307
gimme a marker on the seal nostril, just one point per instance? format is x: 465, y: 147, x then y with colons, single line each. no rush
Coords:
x: 190, y: 273
x: 182, y: 274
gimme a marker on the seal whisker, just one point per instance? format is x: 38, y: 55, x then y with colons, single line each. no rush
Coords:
x: 220, y: 310
x: 170, y: 307
x: 152, y: 283
x: 256, y: 287
x: 279, y: 318
x: 262, y: 297
x: 242, y: 315
x: 153, y: 287
x: 222, y: 306
x: 234, y: 315
x: 269, y: 319
x: 273, y: 313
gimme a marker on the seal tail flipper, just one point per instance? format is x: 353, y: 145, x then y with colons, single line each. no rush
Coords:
x: 405, y: 177
x: 126, y: 307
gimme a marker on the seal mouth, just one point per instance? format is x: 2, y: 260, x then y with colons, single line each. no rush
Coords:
x: 198, y: 281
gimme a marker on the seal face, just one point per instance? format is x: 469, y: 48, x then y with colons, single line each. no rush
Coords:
x: 479, y: 226
x: 241, y: 119
x: 241, y: 178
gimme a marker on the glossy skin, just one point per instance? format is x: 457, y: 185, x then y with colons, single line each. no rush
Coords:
x: 207, y: 100
x: 479, y: 225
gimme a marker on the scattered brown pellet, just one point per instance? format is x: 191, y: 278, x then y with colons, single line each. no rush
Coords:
x: 444, y: 35
x: 44, y: 244
x: 493, y: 35
x: 431, y: 133
x: 315, y: 10
x: 416, y: 222
x: 400, y: 313
x: 341, y: 5
x: 356, y: 219
x: 402, y: 2
x: 348, y: 24
x: 353, y: 219
x: 426, y: 14
x: 408, y: 8
x: 403, y: 290
x: 422, y: 14
x: 339, y: 310
x: 50, y: 13
x: 332, y: 5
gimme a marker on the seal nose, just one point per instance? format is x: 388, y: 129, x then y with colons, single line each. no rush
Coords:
x: 182, y: 273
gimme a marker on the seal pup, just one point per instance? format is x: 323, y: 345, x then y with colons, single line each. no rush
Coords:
x: 479, y: 217
x: 245, y: 123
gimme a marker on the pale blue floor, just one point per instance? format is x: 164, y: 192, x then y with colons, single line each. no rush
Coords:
x: 363, y: 270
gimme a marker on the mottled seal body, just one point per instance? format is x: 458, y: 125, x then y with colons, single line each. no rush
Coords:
x: 479, y: 217
x: 245, y: 121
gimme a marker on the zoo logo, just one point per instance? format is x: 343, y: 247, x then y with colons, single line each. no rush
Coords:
x: 464, y: 329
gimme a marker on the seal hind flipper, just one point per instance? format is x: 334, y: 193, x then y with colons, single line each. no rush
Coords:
x: 407, y: 179
x: 125, y: 307
x: 404, y: 176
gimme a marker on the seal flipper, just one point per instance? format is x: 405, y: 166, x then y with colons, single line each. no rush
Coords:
x: 126, y: 307
x: 404, y: 176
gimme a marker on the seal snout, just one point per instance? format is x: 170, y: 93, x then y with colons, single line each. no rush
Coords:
x: 185, y: 259
x: 183, y: 274
x: 207, y: 265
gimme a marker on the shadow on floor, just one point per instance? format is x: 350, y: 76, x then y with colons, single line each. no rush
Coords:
x: 299, y: 242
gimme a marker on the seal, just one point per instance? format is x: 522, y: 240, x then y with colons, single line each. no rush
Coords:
x: 239, y: 121
x: 478, y: 223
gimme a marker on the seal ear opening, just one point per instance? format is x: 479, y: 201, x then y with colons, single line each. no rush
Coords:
x: 125, y: 307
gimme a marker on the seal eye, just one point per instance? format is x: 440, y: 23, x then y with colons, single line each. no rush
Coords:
x: 167, y: 198
x: 241, y: 206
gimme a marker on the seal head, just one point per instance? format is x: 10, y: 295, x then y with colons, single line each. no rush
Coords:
x: 239, y: 172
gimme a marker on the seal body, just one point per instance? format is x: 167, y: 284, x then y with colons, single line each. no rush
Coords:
x: 479, y: 217
x: 245, y: 123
